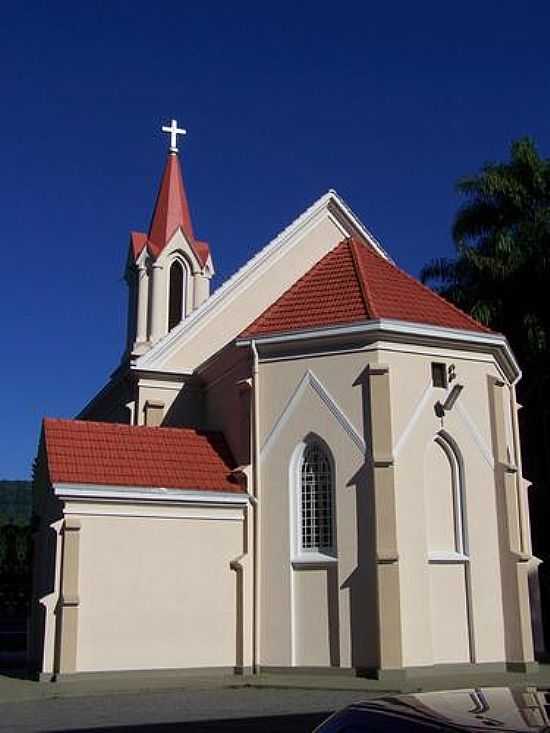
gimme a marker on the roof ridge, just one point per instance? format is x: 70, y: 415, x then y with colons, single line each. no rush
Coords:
x: 124, y: 426
x: 363, y: 280
x: 296, y: 286
x: 446, y: 302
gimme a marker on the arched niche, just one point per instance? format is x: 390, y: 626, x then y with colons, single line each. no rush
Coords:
x: 444, y: 495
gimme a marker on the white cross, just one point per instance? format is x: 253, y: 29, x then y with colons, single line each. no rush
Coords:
x: 174, y: 131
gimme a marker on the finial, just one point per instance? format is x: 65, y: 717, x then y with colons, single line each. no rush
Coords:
x: 174, y: 131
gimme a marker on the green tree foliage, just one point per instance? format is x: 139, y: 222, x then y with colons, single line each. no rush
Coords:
x: 501, y: 275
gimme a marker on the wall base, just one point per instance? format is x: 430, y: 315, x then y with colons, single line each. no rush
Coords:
x: 408, y: 673
x: 386, y: 675
x: 149, y: 674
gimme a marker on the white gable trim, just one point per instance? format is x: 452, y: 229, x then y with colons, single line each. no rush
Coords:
x: 343, y: 217
x: 310, y: 380
x: 476, y: 435
x: 178, y: 244
x: 429, y: 393
x: 87, y: 492
x: 419, y: 409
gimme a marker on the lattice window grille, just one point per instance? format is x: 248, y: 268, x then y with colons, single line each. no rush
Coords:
x: 316, y: 500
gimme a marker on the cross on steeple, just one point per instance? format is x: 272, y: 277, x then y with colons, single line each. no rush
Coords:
x: 173, y: 130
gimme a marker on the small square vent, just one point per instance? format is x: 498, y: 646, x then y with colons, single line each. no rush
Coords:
x: 439, y: 374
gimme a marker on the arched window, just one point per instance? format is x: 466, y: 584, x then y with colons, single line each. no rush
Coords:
x: 316, y: 500
x: 176, y: 309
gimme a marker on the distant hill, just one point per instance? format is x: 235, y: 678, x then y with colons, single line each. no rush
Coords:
x: 15, y: 502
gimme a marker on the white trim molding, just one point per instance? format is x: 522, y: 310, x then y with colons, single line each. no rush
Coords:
x: 312, y: 559
x: 476, y: 435
x: 310, y: 380
x: 299, y: 553
x: 418, y: 410
x: 447, y: 557
x: 147, y: 495
x: 395, y: 329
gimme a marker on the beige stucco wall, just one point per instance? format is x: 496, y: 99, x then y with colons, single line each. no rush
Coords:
x: 468, y: 424
x: 182, y: 401
x: 312, y: 643
x: 297, y: 602
x: 467, y: 595
x: 450, y: 643
x: 156, y: 590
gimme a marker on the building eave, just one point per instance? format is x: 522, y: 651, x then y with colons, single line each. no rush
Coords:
x: 396, y: 330
x: 139, y: 494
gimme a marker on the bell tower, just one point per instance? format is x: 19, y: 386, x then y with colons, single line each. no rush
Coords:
x: 169, y: 269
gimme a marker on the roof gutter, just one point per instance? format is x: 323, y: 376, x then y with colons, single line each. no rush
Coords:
x: 392, y: 328
x: 148, y: 495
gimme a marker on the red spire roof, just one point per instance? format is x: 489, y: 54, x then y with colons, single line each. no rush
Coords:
x: 171, y: 212
x: 85, y: 452
x: 354, y: 283
x: 171, y: 208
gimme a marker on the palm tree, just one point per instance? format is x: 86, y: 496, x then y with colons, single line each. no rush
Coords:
x: 501, y: 275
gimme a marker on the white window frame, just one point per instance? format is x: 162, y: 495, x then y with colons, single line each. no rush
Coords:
x: 299, y: 554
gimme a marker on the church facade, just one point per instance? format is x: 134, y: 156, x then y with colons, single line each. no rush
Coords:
x: 315, y: 466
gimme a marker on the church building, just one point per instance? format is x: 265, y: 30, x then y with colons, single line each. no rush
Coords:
x: 317, y: 465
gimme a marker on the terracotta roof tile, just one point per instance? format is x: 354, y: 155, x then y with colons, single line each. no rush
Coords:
x: 85, y: 452
x: 354, y: 283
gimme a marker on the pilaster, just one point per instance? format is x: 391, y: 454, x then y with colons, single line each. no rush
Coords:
x: 201, y: 289
x: 157, y: 315
x: 513, y: 558
x: 70, y: 600
x: 142, y: 305
x: 388, y: 581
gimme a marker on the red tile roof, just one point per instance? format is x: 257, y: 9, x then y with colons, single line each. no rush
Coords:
x: 171, y: 212
x: 83, y: 452
x: 353, y: 283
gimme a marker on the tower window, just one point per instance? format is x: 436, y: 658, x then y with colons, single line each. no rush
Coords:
x: 439, y: 374
x: 176, y: 295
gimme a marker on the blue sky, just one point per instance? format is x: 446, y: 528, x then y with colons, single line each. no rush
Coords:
x: 388, y: 103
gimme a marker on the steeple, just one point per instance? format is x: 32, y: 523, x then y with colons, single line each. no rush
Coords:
x: 169, y: 270
x: 171, y: 208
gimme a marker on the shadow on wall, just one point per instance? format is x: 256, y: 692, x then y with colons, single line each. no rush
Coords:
x: 187, y: 410
x: 333, y: 615
x: 44, y: 564
x: 365, y: 652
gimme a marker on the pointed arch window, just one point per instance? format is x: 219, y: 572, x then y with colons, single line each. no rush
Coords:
x: 176, y: 297
x: 316, y: 500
